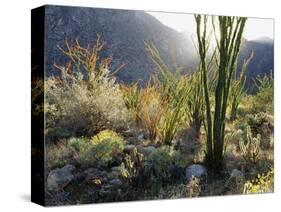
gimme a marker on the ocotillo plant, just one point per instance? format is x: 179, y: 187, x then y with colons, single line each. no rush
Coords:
x: 131, y: 95
x: 237, y: 89
x: 228, y: 46
x: 174, y: 90
x: 195, y: 101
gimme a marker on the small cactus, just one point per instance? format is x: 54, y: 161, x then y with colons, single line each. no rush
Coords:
x: 251, y: 149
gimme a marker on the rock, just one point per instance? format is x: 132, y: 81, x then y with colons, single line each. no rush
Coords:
x: 129, y: 148
x: 236, y: 180
x: 79, y: 177
x: 92, y: 172
x: 235, y: 173
x: 115, y: 182
x: 60, y: 178
x: 195, y: 170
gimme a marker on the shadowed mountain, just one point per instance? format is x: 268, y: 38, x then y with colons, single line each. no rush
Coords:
x: 125, y: 32
x: 263, y: 60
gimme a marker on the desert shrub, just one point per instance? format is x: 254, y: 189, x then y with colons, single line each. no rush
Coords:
x: 105, y: 146
x: 258, y: 121
x: 195, y: 101
x: 263, y: 183
x: 131, y: 95
x: 174, y: 90
x: 193, y: 187
x: 66, y: 151
x: 251, y: 149
x: 100, y: 150
x: 84, y: 99
x: 263, y: 101
x: 152, y: 107
x: 80, y: 148
x: 237, y: 89
x: 175, y: 115
x: 173, y: 191
x: 58, y: 155
x: 164, y: 164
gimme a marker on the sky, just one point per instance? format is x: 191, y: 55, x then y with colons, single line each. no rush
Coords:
x: 254, y: 29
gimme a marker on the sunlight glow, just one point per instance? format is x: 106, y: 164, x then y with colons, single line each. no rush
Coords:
x: 182, y: 22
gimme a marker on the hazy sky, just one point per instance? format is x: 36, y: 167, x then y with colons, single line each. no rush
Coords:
x: 255, y: 27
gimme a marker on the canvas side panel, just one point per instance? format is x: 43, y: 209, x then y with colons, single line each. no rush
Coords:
x: 37, y: 102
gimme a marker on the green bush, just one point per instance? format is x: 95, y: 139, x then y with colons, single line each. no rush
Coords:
x: 66, y: 151
x: 175, y: 116
x: 100, y: 150
x: 131, y: 95
x: 161, y: 161
x: 152, y: 107
x: 105, y: 146
x: 263, y: 101
x: 256, y: 121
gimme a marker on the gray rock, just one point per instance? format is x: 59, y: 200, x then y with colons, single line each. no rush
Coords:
x: 60, y: 178
x: 92, y: 172
x: 79, y: 177
x: 235, y: 173
x: 195, y: 170
x: 236, y: 180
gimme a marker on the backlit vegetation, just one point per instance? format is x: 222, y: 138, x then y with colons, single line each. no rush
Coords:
x: 134, y: 142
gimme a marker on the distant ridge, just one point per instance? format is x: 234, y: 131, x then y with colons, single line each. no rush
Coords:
x: 125, y: 32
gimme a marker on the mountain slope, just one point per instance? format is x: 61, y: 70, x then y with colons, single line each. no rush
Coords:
x: 263, y: 60
x: 123, y: 31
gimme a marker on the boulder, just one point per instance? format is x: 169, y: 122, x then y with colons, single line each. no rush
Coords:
x: 235, y: 181
x: 196, y: 170
x: 235, y: 173
x: 59, y: 178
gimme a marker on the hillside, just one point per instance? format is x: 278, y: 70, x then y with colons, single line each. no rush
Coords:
x: 125, y: 33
